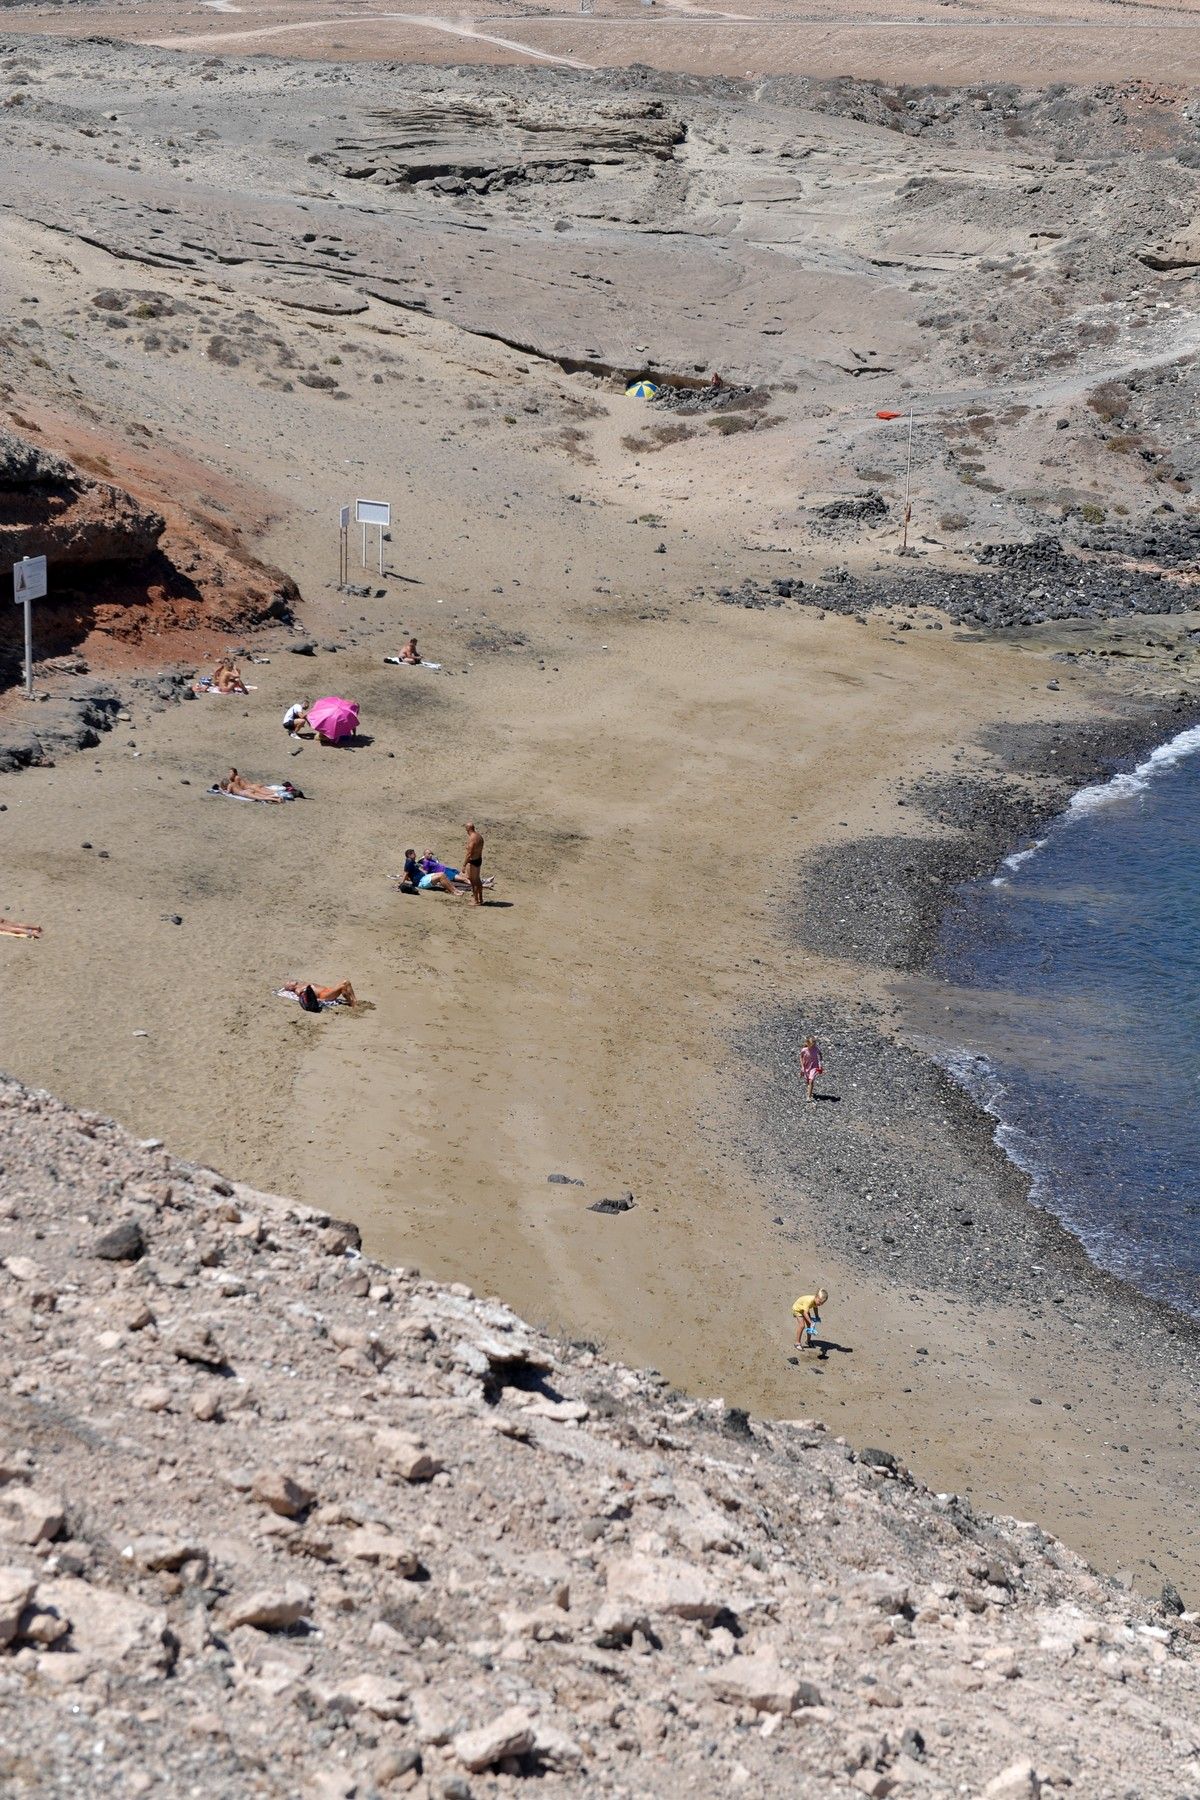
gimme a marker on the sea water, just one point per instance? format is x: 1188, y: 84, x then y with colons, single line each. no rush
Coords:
x: 1081, y: 961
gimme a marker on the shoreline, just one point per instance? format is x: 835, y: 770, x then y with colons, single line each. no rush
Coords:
x: 1003, y: 815
x: 915, y: 1178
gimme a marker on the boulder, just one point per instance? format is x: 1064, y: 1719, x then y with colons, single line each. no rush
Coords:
x: 758, y: 1681
x: 17, y: 1588
x: 509, y: 1734
x: 270, y: 1609
x: 196, y: 1344
x: 375, y: 1546
x: 1180, y: 252
x: 615, y: 1623
x: 29, y: 1517
x: 120, y: 1243
x: 285, y: 1496
x: 406, y: 1455
x: 665, y: 1585
x: 1018, y: 1782
x: 110, y: 1629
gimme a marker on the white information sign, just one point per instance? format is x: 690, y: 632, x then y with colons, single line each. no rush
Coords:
x: 29, y: 579
x: 372, y: 512
x: 29, y: 583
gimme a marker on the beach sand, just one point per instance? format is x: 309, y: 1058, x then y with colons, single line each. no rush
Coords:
x: 651, y: 771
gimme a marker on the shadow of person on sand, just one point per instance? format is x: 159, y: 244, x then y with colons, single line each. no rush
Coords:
x: 822, y: 1346
x: 827, y: 1099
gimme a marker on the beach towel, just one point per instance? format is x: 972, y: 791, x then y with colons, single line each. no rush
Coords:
x: 284, y: 994
x: 401, y: 664
x: 205, y: 686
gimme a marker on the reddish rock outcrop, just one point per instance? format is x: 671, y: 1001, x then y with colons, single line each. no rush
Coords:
x: 50, y: 508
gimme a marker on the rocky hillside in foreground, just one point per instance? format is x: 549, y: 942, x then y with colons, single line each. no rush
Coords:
x: 276, y: 1520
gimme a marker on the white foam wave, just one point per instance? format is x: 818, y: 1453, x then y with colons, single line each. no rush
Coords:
x: 1126, y: 786
x: 978, y: 1077
x: 1014, y: 862
x: 1107, y: 1246
x: 1135, y: 781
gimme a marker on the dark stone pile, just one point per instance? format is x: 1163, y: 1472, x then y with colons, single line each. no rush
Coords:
x: 1032, y: 584
x: 855, y: 509
x: 1172, y: 542
x: 707, y: 398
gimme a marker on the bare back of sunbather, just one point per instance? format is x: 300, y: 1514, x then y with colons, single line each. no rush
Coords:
x: 250, y: 790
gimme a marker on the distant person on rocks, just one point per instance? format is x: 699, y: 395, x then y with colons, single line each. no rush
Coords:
x: 227, y: 678
x: 473, y: 862
x: 807, y: 1314
x: 410, y: 653
x: 810, y: 1064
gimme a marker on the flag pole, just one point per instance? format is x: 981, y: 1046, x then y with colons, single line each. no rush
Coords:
x: 908, y: 484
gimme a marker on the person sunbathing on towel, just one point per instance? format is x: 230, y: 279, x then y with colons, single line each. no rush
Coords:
x: 10, y: 928
x: 256, y: 790
x: 341, y: 991
x: 410, y: 653
x: 227, y: 678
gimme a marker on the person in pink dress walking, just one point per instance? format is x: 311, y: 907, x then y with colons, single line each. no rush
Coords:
x: 810, y: 1064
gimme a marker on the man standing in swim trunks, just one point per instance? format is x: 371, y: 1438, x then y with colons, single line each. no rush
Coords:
x: 473, y: 863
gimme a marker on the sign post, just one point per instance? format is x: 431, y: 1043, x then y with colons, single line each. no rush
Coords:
x: 29, y: 584
x: 377, y: 513
x: 343, y: 546
x: 889, y: 414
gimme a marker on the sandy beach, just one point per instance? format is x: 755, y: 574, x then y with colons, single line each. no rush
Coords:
x: 654, y: 771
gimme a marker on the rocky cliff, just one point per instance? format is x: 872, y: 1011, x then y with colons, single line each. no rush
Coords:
x: 277, y: 1520
x: 50, y: 508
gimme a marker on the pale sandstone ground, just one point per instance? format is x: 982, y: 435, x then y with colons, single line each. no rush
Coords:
x: 277, y: 1519
x: 650, y: 770
x: 1026, y: 42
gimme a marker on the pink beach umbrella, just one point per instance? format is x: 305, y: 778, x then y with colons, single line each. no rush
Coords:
x: 333, y: 717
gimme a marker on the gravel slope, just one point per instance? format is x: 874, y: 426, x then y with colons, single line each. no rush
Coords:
x: 278, y: 1520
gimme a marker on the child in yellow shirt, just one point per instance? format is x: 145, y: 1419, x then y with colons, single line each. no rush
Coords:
x: 807, y: 1314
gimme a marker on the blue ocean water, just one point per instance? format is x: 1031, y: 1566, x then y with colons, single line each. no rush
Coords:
x: 1079, y: 969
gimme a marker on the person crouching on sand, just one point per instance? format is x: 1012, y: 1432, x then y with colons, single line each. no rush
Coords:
x: 810, y: 1064
x: 807, y: 1314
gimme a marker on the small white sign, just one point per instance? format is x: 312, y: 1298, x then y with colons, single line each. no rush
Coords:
x: 372, y: 512
x: 344, y: 518
x: 29, y: 579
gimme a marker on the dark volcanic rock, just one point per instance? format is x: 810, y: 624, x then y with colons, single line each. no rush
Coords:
x: 121, y: 1243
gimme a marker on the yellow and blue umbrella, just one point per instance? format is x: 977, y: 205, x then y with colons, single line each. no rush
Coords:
x: 641, y: 390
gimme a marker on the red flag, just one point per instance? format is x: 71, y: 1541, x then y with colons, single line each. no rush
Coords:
x: 889, y: 415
